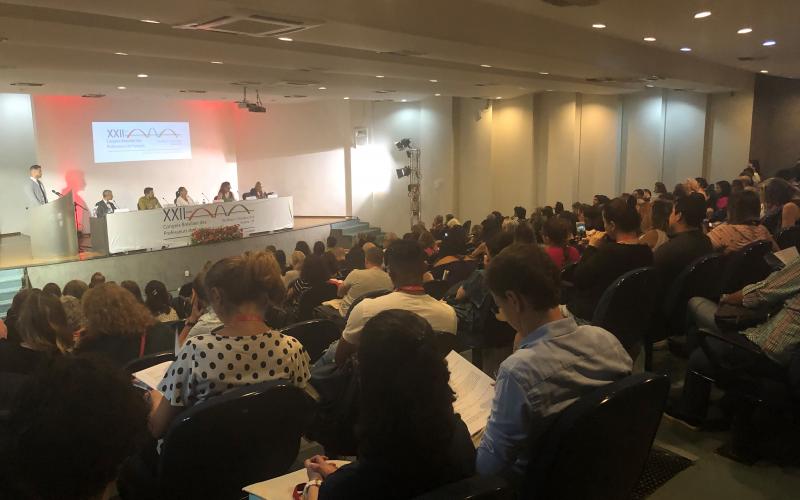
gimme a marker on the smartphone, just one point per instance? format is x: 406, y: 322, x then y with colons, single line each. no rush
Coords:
x: 581, y: 229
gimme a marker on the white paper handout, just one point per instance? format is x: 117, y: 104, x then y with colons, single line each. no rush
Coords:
x: 281, y: 487
x: 153, y: 375
x: 474, y: 392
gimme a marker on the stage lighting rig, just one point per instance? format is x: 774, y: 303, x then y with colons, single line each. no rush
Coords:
x: 412, y: 171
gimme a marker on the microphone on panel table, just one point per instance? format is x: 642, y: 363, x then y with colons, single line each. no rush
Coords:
x: 56, y: 192
x: 205, y: 198
x: 165, y: 201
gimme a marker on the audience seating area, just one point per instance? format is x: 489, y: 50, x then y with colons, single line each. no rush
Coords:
x: 597, y: 447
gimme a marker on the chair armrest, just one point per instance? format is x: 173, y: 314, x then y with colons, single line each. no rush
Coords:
x: 735, y: 339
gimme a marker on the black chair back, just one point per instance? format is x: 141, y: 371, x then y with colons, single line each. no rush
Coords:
x: 745, y: 266
x: 161, y: 337
x: 249, y: 434
x: 10, y: 385
x: 313, y: 297
x: 436, y: 288
x: 457, y: 271
x: 473, y: 488
x: 626, y: 308
x: 605, y: 437
x: 699, y: 279
x: 315, y: 335
x: 149, y: 360
x: 789, y: 237
x: 467, y: 226
x: 445, y: 342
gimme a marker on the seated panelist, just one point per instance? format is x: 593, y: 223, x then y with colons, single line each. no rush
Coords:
x: 148, y: 201
x: 182, y: 197
x: 257, y: 192
x: 106, y: 205
x: 225, y: 194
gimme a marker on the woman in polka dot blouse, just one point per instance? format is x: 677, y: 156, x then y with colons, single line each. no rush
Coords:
x: 244, y: 351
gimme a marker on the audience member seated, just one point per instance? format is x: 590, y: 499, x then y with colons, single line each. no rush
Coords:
x: 778, y: 337
x: 303, y: 247
x: 133, y: 287
x: 556, y: 363
x: 75, y: 318
x: 686, y: 239
x: 660, y: 211
x: 659, y: 190
x: 97, y: 279
x: 280, y: 257
x: 319, y: 248
x: 53, y: 289
x: 158, y: 300
x: 723, y: 198
x: 333, y: 246
x: 362, y: 281
x: 74, y: 422
x: 452, y: 251
x: 203, y: 320
x: 116, y: 324
x: 12, y: 315
x: 406, y: 262
x: 292, y: 274
x: 410, y: 439
x: 556, y: 240
x: 245, y: 351
x: 75, y: 288
x: 314, y: 273
x: 743, y: 225
x: 782, y: 204
x: 524, y: 232
x: 43, y: 332
x: 610, y: 254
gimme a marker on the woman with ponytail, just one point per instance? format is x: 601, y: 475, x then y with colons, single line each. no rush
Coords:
x: 244, y: 351
x: 610, y: 254
x: 409, y: 438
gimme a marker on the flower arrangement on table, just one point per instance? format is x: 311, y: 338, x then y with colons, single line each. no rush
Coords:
x: 216, y: 234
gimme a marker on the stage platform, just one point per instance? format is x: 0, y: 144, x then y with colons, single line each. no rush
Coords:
x: 169, y: 265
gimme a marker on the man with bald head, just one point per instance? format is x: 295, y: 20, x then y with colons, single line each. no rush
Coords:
x: 106, y: 205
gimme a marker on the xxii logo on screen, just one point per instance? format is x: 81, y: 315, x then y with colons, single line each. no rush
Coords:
x: 121, y: 133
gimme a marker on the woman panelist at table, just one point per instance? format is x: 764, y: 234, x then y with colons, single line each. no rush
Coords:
x: 182, y: 197
x: 225, y: 194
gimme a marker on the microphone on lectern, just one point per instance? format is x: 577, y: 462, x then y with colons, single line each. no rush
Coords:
x: 56, y: 192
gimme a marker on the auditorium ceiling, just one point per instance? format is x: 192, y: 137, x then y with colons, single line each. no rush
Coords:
x: 391, y: 49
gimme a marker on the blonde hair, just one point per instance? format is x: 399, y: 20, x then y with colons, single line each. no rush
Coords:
x: 510, y: 225
x: 112, y: 310
x: 298, y: 258
x: 252, y: 278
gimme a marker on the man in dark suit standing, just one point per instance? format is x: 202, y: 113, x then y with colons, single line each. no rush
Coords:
x: 106, y: 205
x: 36, y: 192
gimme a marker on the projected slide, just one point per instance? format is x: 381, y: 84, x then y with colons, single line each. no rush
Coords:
x: 141, y: 141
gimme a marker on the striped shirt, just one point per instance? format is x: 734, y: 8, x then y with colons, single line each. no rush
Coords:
x: 781, y: 332
x: 728, y: 238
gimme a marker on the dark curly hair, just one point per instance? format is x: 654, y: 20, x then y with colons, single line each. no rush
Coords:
x: 406, y: 413
x: 107, y: 422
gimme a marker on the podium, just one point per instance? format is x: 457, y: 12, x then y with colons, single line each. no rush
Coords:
x: 52, y: 229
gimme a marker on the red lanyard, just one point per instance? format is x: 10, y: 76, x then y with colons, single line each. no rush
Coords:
x: 413, y: 289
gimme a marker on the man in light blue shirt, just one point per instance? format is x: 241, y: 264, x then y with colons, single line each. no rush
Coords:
x: 556, y: 363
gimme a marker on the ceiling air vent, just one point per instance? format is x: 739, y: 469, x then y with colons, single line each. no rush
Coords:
x: 385, y: 91
x: 245, y: 83
x: 256, y: 25
x: 295, y: 96
x: 27, y: 84
x: 402, y: 53
x: 572, y: 3
x: 751, y: 58
x: 93, y: 96
x: 192, y: 91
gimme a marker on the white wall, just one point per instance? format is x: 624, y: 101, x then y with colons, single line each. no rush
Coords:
x: 684, y: 136
x: 473, y: 157
x: 730, y: 120
x: 642, y: 140
x: 599, y: 162
x: 64, y: 145
x: 296, y: 149
x: 18, y: 146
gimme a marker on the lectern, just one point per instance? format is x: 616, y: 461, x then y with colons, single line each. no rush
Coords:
x: 53, y: 230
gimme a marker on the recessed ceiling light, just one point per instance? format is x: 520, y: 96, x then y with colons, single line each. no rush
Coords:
x: 150, y: 21
x: 498, y: 97
x: 285, y: 39
x: 745, y: 31
x: 486, y: 65
x: 216, y: 62
x: 437, y: 95
x: 649, y: 39
x: 323, y: 88
x: 599, y: 26
x: 764, y: 71
x: 549, y: 90
x: 769, y: 43
x: 434, y: 81
x: 121, y: 87
x: 650, y: 86
x: 702, y: 15
x: 120, y: 53
x: 544, y: 73
x: 346, y: 98
x: 686, y: 49
x: 142, y: 75
x: 403, y: 100
x: 378, y: 76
